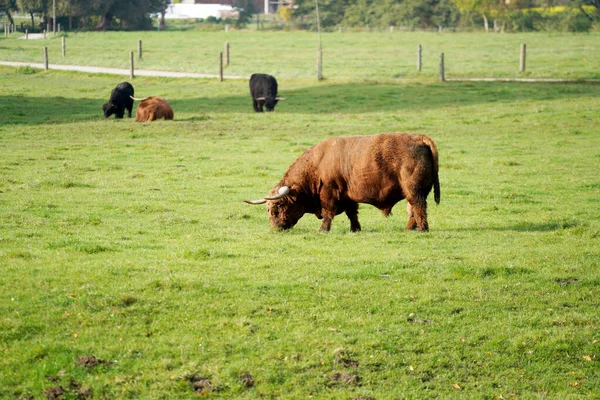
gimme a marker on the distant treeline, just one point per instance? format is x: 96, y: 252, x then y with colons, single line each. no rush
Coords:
x: 496, y: 15
x: 501, y: 15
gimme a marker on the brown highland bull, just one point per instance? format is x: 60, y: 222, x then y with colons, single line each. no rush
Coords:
x: 335, y: 175
x: 152, y: 108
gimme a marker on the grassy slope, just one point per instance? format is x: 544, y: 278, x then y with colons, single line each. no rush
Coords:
x: 130, y: 242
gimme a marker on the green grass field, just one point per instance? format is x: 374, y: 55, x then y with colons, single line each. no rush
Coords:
x: 130, y: 243
x: 346, y: 56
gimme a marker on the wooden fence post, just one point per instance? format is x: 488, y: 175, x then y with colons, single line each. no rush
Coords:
x: 221, y: 67
x: 523, y: 54
x: 226, y: 53
x: 45, y: 58
x: 44, y: 34
x: 442, y: 68
x: 64, y: 46
x: 319, y: 62
x: 131, y: 74
x: 26, y: 34
x: 419, y: 57
x: 140, y: 49
x: 58, y: 28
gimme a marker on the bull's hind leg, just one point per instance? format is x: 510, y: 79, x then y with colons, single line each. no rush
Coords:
x: 352, y: 213
x: 257, y: 105
x: 412, y: 223
x: 417, y: 215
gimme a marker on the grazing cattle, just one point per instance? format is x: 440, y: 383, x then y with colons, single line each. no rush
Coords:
x: 263, y: 89
x: 335, y: 175
x: 152, y: 108
x: 120, y: 99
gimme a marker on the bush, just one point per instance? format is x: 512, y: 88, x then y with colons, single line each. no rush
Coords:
x: 26, y: 70
x: 566, y: 20
x: 576, y: 22
x: 525, y: 21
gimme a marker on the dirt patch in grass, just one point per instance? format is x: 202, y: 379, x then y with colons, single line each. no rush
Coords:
x: 247, y: 380
x: 91, y: 361
x: 201, y: 384
x: 344, y: 378
x: 54, y: 393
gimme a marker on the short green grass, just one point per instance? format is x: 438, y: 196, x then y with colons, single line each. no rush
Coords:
x: 349, y: 55
x: 130, y: 243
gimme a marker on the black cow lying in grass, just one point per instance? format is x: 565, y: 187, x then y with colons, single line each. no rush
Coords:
x: 120, y: 99
x: 263, y: 89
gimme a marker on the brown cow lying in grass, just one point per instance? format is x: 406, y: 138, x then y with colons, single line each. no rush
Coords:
x: 335, y: 175
x: 152, y: 108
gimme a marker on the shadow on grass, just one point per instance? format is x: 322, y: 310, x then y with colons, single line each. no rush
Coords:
x: 527, y: 227
x: 348, y: 98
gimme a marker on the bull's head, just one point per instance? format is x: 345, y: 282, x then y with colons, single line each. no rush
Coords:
x: 283, y: 207
x: 109, y: 109
x: 271, y: 102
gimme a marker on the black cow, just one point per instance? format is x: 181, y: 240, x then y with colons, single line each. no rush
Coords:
x: 263, y: 89
x: 120, y: 99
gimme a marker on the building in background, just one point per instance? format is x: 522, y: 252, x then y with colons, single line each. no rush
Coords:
x: 206, y: 8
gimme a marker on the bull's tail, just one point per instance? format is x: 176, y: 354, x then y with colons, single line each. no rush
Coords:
x: 436, y: 180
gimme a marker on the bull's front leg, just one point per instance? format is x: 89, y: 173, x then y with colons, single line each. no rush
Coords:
x: 328, y: 206
x: 256, y: 105
x: 352, y: 213
x: 327, y: 218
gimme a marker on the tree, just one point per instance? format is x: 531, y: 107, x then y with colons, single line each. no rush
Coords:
x: 481, y: 7
x: 33, y: 7
x: 331, y: 12
x: 163, y: 10
x: 581, y: 5
x: 6, y: 6
x: 123, y: 14
x: 246, y: 9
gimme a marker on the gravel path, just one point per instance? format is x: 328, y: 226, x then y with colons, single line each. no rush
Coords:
x: 117, y: 71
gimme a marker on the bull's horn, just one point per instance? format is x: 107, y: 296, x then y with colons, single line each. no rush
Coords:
x: 261, y: 201
x: 260, y: 98
x: 144, y: 99
x: 281, y: 98
x: 283, y: 191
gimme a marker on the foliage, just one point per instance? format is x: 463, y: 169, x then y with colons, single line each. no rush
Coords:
x: 7, y: 7
x: 246, y: 9
x: 566, y: 20
x: 411, y: 13
x: 426, y: 14
x: 26, y: 70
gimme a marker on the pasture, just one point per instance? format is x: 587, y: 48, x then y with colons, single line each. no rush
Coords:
x: 131, y: 268
x: 348, y: 56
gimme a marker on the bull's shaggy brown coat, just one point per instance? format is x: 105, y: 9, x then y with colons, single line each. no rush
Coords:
x: 153, y: 108
x: 335, y: 175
